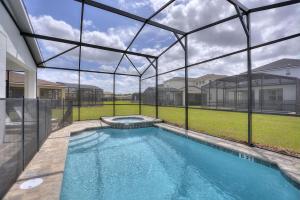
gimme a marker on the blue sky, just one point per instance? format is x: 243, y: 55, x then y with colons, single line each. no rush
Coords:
x: 61, y: 18
x: 103, y: 21
x: 97, y: 22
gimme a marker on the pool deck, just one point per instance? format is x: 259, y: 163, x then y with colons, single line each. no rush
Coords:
x: 49, y: 162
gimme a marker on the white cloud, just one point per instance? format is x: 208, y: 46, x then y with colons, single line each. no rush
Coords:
x: 113, y: 38
x: 218, y: 40
x: 88, y: 24
x: 190, y: 14
x: 48, y: 25
x: 228, y: 37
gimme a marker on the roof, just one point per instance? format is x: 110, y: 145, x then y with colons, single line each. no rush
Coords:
x: 180, y: 79
x: 19, y: 13
x: 210, y: 77
x: 162, y: 89
x: 190, y: 87
x: 244, y: 78
x: 18, y: 78
x: 82, y: 86
x: 205, y: 77
x: 279, y: 64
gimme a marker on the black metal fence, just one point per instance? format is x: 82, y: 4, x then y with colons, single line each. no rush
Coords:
x: 24, y: 126
x: 244, y: 96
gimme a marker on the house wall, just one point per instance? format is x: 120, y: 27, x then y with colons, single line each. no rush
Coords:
x: 2, y: 85
x: 178, y: 84
x: 2, y: 65
x: 289, y: 91
x: 17, y: 54
x: 289, y: 97
x: 215, y: 97
x: 16, y: 46
x: 298, y: 97
x: 200, y: 83
x: 14, y: 54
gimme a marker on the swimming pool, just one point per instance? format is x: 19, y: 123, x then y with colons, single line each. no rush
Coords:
x: 152, y: 163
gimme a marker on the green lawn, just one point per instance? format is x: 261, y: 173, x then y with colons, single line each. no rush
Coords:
x: 268, y: 130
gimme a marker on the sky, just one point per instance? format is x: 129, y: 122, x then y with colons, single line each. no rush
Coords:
x: 61, y: 18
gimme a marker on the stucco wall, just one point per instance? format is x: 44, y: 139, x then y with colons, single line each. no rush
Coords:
x: 17, y: 56
x: 17, y: 50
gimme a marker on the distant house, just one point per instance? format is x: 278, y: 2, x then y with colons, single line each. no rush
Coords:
x: 275, y: 86
x: 172, y: 91
x: 283, y: 67
x: 89, y: 94
x: 166, y: 96
x: 123, y: 97
x: 45, y: 89
x: 135, y: 97
x: 108, y: 96
x: 176, y: 85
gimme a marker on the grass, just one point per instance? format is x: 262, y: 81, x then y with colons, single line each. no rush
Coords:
x: 271, y: 131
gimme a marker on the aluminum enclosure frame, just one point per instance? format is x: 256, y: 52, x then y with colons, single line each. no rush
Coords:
x: 241, y: 12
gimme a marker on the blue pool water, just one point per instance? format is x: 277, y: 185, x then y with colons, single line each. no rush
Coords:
x: 151, y: 163
x: 128, y: 119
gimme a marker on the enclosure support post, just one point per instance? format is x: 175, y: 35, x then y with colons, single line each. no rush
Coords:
x: 63, y: 108
x: 224, y: 93
x: 246, y: 26
x: 23, y: 133
x: 114, y: 95
x: 236, y: 91
x: 216, y: 94
x: 186, y: 79
x: 209, y: 84
x: 79, y: 60
x: 249, y: 72
x: 7, y: 84
x: 79, y: 98
x: 140, y: 95
x: 156, y: 89
x: 261, y: 92
x: 38, y: 123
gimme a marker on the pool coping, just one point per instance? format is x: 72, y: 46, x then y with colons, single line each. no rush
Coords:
x: 147, y: 122
x: 49, y: 162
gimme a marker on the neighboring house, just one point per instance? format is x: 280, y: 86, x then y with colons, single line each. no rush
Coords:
x: 172, y: 91
x: 123, y: 97
x: 45, y: 89
x: 89, y: 94
x: 194, y: 90
x: 272, y: 91
x: 135, y: 97
x: 108, y: 96
x: 166, y: 96
x: 283, y: 67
